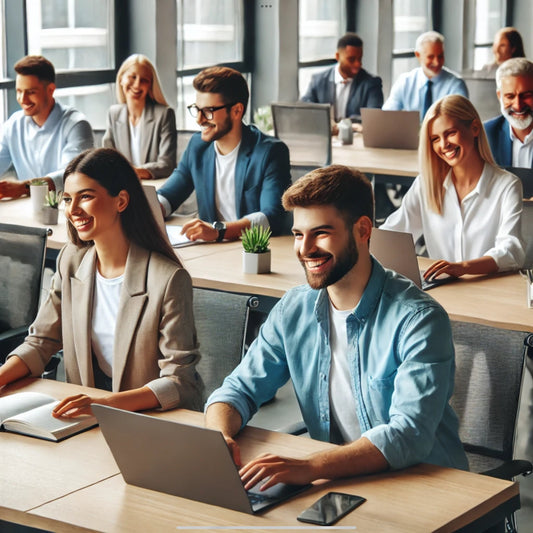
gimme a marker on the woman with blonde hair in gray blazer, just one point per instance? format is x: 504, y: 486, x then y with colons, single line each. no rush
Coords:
x: 120, y: 304
x: 142, y: 126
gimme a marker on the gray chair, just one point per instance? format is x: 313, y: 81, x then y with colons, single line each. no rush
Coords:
x: 486, y: 398
x: 221, y: 320
x: 183, y: 138
x: 527, y: 231
x: 306, y: 129
x: 526, y: 177
x: 22, y: 256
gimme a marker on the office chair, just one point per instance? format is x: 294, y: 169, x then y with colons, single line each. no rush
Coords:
x: 526, y: 177
x: 306, y: 129
x: 22, y: 255
x: 221, y: 320
x: 486, y: 398
x: 189, y: 207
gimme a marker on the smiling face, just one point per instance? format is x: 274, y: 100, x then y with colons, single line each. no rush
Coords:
x: 431, y: 58
x: 324, y: 245
x: 516, y: 101
x: 453, y: 141
x: 350, y: 60
x: 501, y: 48
x: 136, y: 83
x: 35, y: 97
x: 221, y: 124
x: 93, y: 212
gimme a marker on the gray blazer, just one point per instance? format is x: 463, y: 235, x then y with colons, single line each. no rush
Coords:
x: 158, y: 137
x: 155, y: 337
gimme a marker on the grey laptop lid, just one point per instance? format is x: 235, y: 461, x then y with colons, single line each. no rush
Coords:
x: 390, y: 129
x: 396, y: 250
x: 186, y: 461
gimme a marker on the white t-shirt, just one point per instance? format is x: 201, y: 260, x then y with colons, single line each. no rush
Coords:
x: 105, y: 310
x: 486, y: 223
x: 342, y: 399
x: 135, y: 142
x: 225, y: 183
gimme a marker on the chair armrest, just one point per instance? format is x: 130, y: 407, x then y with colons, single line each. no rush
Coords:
x: 510, y: 469
x: 10, y: 339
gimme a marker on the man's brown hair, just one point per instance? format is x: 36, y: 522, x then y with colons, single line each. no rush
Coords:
x: 345, y: 188
x: 37, y: 66
x: 226, y: 81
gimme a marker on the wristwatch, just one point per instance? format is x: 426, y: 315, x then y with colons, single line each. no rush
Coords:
x: 221, y: 228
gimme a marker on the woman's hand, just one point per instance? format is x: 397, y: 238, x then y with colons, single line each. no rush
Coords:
x: 77, y: 405
x: 143, y: 174
x: 442, y: 267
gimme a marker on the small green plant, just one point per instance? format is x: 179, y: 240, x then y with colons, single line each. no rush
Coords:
x: 255, y: 240
x: 263, y: 119
x: 38, y: 181
x: 53, y: 198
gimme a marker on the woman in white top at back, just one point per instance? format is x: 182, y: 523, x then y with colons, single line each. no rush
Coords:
x: 466, y: 207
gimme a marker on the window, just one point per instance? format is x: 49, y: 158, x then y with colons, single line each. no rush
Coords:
x: 321, y: 23
x: 490, y: 17
x: 411, y: 18
x: 76, y: 36
x: 210, y: 32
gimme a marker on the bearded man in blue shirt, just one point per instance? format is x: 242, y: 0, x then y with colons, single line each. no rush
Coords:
x: 370, y: 355
x: 40, y: 139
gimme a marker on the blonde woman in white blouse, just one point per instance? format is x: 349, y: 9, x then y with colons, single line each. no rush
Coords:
x: 466, y: 207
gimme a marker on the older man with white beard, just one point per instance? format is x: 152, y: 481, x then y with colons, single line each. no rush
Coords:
x: 510, y: 135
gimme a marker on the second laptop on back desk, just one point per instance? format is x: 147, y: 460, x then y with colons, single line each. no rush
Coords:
x: 390, y: 129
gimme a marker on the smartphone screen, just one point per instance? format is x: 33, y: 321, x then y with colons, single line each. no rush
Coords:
x: 330, y: 508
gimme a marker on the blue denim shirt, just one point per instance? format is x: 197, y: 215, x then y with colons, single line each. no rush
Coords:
x: 403, y: 366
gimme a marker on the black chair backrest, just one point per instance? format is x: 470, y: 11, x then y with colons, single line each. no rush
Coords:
x: 488, y: 382
x: 526, y: 177
x: 22, y: 254
x: 221, y: 319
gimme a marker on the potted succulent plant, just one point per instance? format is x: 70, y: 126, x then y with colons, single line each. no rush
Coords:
x: 38, y: 190
x: 50, y: 212
x: 256, y: 254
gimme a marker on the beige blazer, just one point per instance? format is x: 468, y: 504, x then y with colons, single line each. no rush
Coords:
x: 155, y: 337
x: 158, y: 137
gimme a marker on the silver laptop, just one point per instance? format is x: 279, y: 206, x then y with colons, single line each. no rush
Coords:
x: 396, y: 250
x: 390, y: 129
x: 186, y: 461
x: 173, y: 233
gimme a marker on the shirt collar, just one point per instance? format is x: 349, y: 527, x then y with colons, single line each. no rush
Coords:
x: 527, y: 140
x: 338, y: 77
x: 481, y: 186
x: 53, y: 118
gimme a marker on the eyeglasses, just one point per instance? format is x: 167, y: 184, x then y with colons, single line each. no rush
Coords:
x: 207, y: 112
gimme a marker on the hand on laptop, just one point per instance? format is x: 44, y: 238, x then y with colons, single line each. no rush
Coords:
x: 444, y: 268
x: 275, y: 469
x: 198, y: 229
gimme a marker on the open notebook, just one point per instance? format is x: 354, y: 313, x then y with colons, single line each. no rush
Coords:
x: 186, y: 461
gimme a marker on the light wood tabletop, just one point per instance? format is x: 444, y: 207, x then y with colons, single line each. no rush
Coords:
x: 375, y: 160
x: 76, y: 487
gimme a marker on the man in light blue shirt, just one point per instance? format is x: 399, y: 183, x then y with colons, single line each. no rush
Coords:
x: 410, y: 91
x: 370, y: 355
x: 44, y: 136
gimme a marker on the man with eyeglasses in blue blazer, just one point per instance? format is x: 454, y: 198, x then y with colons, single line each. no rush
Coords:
x: 239, y: 173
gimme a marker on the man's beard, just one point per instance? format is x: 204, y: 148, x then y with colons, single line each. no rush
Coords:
x: 344, y: 263
x: 517, y: 123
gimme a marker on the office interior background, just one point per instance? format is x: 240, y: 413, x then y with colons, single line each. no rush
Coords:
x: 277, y: 44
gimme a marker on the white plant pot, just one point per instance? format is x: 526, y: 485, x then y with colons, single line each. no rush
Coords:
x: 37, y: 194
x: 256, y: 263
x: 48, y: 216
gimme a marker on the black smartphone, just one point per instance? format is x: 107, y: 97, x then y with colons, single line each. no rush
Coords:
x: 330, y: 508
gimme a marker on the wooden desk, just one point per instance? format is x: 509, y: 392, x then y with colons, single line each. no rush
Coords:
x: 376, y: 160
x: 88, y: 494
x: 498, y: 301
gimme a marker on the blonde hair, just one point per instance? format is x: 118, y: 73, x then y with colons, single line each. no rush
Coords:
x: 155, y: 93
x: 433, y: 170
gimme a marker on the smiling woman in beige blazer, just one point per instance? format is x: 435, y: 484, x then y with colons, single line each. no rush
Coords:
x: 142, y: 126
x: 145, y: 349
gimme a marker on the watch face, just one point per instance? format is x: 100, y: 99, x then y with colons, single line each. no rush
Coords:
x: 219, y: 225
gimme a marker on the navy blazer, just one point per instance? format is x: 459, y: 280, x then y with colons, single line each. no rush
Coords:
x: 365, y: 91
x: 499, y: 136
x: 262, y: 174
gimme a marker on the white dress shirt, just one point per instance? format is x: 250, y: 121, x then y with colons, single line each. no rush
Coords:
x: 342, y: 91
x: 486, y: 223
x: 522, y: 151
